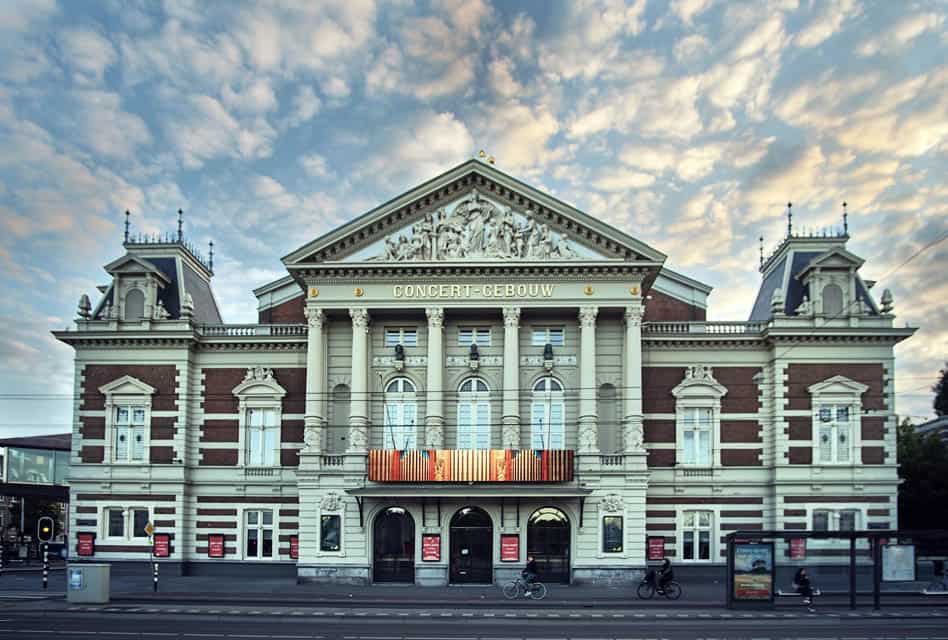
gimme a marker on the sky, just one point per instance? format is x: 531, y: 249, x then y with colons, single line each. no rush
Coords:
x: 687, y: 124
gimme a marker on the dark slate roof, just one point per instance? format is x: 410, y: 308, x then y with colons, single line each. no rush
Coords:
x: 863, y: 293
x: 793, y: 296
x: 761, y: 311
x: 205, y: 307
x: 169, y: 294
x: 58, y: 442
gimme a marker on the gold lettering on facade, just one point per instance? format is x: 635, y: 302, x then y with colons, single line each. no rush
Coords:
x: 486, y: 290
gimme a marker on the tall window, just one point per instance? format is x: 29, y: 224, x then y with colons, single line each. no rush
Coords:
x: 401, y: 414
x: 126, y: 523
x: 471, y: 335
x: 547, y: 415
x: 543, y: 336
x: 696, y: 436
x: 405, y: 336
x: 263, y: 436
x: 835, y: 520
x: 696, y: 535
x: 473, y: 414
x: 832, y: 300
x: 129, y: 433
x: 134, y: 305
x: 259, y: 533
x: 834, y: 432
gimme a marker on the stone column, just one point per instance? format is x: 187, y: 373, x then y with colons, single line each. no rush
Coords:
x: 588, y: 420
x: 632, y: 418
x: 359, y: 403
x: 510, y: 435
x: 434, y: 411
x: 315, y: 387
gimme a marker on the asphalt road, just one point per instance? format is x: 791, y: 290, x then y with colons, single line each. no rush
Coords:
x: 22, y: 625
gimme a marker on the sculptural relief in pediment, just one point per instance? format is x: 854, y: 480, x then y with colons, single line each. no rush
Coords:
x: 472, y: 228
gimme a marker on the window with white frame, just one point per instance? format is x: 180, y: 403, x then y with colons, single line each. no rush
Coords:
x: 548, y: 415
x: 542, y: 336
x: 696, y: 427
x: 128, y: 413
x: 695, y: 535
x: 129, y: 423
x: 474, y: 335
x: 260, y: 402
x: 836, y: 406
x: 473, y: 414
x: 697, y: 417
x: 405, y: 336
x: 126, y: 523
x: 835, y: 520
x: 258, y: 533
x: 401, y: 415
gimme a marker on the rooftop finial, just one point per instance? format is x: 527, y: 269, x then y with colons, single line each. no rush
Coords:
x: 210, y: 255
x: 789, y: 219
x: 180, y: 225
x: 127, y: 215
x: 845, y: 221
x: 762, y: 251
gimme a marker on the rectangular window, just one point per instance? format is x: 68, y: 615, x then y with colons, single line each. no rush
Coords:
x: 821, y: 520
x: 471, y: 335
x: 129, y: 428
x: 548, y: 425
x: 405, y: 336
x: 696, y: 437
x: 612, y: 534
x: 263, y: 435
x: 543, y: 336
x: 116, y: 523
x: 696, y: 535
x: 847, y: 520
x: 139, y: 520
x: 330, y: 530
x: 259, y: 533
x: 842, y: 520
x: 834, y: 432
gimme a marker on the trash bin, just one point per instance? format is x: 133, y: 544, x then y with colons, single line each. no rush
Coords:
x: 88, y: 583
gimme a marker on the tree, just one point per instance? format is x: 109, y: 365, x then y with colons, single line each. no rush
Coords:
x: 941, y: 393
x: 923, y: 468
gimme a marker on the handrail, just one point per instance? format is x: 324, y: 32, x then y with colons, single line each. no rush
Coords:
x: 251, y: 330
x: 705, y: 327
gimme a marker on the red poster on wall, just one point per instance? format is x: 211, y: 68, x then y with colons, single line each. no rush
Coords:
x: 656, y: 547
x: 431, y: 547
x: 509, y: 547
x: 294, y: 547
x: 215, y: 545
x: 798, y: 548
x: 162, y: 545
x: 86, y: 546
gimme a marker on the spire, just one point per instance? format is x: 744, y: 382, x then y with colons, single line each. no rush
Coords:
x: 789, y: 219
x: 127, y: 215
x: 210, y: 256
x: 180, y: 225
x: 845, y: 221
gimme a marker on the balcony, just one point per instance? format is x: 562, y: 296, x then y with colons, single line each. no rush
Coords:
x: 251, y: 330
x: 489, y: 465
x: 704, y: 327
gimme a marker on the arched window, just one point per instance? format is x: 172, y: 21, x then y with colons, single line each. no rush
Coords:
x: 832, y: 300
x: 401, y: 415
x: 548, y: 415
x: 610, y: 435
x: 338, y: 427
x: 134, y: 305
x: 473, y: 414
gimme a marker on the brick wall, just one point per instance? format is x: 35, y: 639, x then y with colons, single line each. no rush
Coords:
x: 801, y: 376
x: 162, y: 377
x: 289, y: 312
x: 664, y: 308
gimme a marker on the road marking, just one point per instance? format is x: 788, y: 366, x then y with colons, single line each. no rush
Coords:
x: 73, y: 633
x: 157, y: 633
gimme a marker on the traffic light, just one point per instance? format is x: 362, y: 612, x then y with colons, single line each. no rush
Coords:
x: 44, y: 529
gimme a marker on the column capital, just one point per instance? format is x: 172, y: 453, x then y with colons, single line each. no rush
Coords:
x: 315, y: 317
x: 435, y: 317
x: 634, y: 314
x: 587, y: 316
x: 511, y: 316
x: 360, y: 317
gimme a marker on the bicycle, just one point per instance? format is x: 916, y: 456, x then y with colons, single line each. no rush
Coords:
x: 517, y: 587
x: 937, y: 586
x: 647, y: 588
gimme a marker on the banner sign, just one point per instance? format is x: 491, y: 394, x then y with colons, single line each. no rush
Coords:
x: 509, y: 547
x: 656, y: 547
x: 898, y: 563
x: 491, y: 465
x: 753, y: 571
x: 215, y: 545
x: 162, y: 545
x: 294, y: 547
x: 798, y: 548
x: 431, y: 547
x: 86, y: 546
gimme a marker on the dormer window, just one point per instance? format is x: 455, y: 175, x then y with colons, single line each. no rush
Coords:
x: 832, y: 300
x: 134, y: 305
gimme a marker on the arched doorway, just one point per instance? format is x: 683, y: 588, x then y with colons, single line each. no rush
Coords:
x: 472, y: 547
x: 548, y: 537
x: 393, y: 557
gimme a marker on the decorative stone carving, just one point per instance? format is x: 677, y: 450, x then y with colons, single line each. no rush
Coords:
x: 587, y: 316
x: 633, y: 436
x: 258, y: 373
x: 160, y: 312
x: 511, y: 317
x: 360, y: 318
x: 538, y: 361
x: 805, y: 308
x: 463, y: 361
x: 108, y: 312
x: 331, y: 501
x: 434, y: 435
x: 389, y: 361
x: 85, y: 307
x: 612, y: 503
x: 633, y: 314
x: 314, y: 317
x: 187, y: 308
x: 887, y: 302
x: 312, y: 437
x: 358, y: 437
x: 435, y: 317
x: 699, y: 372
x: 510, y: 435
x: 776, y: 301
x: 588, y: 438
x: 477, y: 228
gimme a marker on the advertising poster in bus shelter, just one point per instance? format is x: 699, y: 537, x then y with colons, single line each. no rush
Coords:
x: 898, y: 563
x: 753, y: 571
x: 509, y: 547
x: 431, y: 547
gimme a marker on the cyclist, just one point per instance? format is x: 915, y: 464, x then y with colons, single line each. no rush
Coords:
x: 529, y: 574
x: 665, y: 575
x: 804, y: 587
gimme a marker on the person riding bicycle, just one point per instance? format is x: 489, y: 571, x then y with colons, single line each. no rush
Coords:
x: 804, y: 587
x: 529, y: 574
x: 665, y: 575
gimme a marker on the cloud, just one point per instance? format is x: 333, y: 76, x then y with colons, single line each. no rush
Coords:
x: 902, y: 33
x: 88, y: 52
x: 622, y: 180
x: 315, y: 165
x: 105, y: 128
x: 255, y: 96
x: 827, y: 23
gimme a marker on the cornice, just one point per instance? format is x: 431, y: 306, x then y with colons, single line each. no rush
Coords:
x: 447, y: 270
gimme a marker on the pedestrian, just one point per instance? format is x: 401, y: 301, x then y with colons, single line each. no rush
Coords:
x: 529, y: 574
x: 804, y: 587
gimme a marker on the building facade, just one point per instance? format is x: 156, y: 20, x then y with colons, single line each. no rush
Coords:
x: 469, y: 373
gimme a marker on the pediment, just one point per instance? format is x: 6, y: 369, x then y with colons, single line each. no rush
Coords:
x: 473, y: 213
x: 836, y: 258
x: 259, y: 382
x: 699, y: 382
x: 129, y: 264
x: 839, y: 386
x: 127, y: 386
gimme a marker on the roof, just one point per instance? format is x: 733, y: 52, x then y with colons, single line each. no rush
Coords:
x: 57, y: 442
x: 938, y: 425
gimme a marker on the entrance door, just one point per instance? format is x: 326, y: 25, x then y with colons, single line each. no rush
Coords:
x: 472, y: 545
x: 393, y: 558
x: 548, y: 542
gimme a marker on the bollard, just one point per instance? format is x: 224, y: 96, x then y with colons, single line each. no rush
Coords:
x: 1, y: 559
x: 156, y: 578
x: 45, y: 565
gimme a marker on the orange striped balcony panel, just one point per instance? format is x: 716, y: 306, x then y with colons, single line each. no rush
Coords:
x: 450, y: 465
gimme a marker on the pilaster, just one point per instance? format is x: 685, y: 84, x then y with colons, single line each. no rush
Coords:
x: 588, y: 419
x: 359, y: 403
x: 511, y: 438
x: 632, y: 434
x: 434, y: 414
